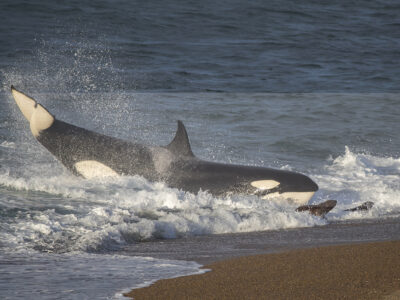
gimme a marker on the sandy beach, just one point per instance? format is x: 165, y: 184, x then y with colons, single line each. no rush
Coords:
x: 359, y: 271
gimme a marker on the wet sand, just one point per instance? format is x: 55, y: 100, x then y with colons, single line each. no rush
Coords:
x: 360, y: 271
x: 207, y: 249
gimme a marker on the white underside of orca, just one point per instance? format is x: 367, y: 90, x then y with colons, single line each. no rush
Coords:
x: 293, y: 197
x: 93, y: 169
x: 298, y: 198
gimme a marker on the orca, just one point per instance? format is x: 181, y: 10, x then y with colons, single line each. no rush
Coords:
x: 90, y: 154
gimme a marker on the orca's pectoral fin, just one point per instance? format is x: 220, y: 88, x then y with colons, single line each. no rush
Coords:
x: 320, y: 209
x: 180, y: 144
x: 363, y: 207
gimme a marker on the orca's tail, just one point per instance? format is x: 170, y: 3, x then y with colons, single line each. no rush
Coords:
x: 38, y: 116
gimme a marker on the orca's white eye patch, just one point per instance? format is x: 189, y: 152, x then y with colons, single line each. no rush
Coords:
x: 264, y: 184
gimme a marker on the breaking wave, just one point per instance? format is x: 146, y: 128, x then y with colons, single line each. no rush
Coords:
x: 53, y: 211
x: 90, y: 215
x: 354, y: 178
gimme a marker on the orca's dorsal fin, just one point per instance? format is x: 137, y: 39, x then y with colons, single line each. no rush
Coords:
x: 180, y: 144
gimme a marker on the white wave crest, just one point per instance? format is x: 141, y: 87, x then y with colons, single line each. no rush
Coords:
x: 354, y: 178
x: 67, y: 213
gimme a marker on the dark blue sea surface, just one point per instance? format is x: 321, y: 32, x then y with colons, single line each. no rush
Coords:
x: 264, y: 46
x: 308, y: 86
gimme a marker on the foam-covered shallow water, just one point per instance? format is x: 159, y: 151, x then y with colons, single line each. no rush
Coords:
x: 355, y: 178
x: 53, y: 211
x: 78, y: 276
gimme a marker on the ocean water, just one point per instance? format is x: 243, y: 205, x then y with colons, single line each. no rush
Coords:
x: 309, y: 87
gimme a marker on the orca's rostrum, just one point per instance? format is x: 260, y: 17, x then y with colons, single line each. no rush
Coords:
x: 91, y: 154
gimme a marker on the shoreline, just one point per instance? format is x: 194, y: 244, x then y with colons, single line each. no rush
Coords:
x: 207, y: 249
x: 351, y: 271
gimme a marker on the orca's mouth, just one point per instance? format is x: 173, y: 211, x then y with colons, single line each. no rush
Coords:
x: 297, y: 198
x: 296, y: 194
x: 265, y: 192
x: 310, y: 187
